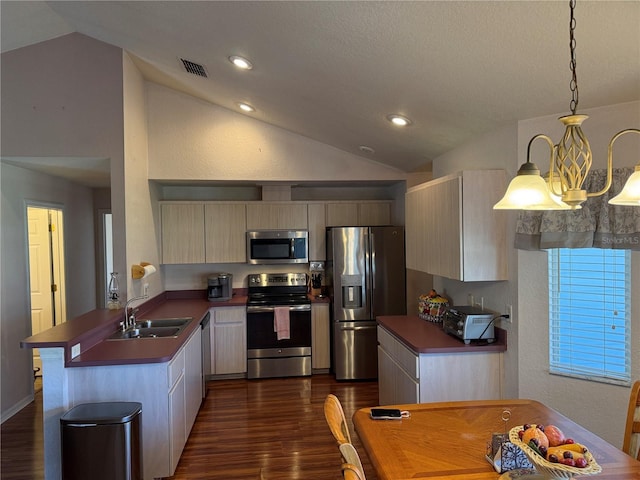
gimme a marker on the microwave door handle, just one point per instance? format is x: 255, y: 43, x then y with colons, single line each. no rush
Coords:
x: 292, y: 249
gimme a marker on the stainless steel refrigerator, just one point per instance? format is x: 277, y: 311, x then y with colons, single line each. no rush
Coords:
x: 366, y: 278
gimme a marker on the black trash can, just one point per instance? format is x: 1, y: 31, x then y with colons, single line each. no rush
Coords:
x: 102, y: 441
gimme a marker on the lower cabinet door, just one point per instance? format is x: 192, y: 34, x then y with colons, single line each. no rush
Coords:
x: 407, y: 389
x: 177, y: 421
x: 386, y: 374
x: 230, y: 351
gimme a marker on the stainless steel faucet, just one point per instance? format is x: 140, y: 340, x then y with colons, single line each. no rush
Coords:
x: 130, y: 320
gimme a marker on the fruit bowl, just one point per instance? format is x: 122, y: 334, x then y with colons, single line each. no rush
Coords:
x: 553, y: 470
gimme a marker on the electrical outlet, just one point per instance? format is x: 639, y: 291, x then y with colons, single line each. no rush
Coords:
x: 508, y: 310
x: 145, y: 289
x: 75, y: 350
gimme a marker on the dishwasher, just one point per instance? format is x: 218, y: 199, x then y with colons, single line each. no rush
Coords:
x: 205, y: 325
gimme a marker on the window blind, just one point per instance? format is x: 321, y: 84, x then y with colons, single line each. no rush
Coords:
x: 589, y: 314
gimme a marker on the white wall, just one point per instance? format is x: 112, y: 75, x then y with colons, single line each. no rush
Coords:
x: 20, y: 186
x: 598, y: 407
x: 60, y: 98
x: 140, y: 197
x: 195, y: 140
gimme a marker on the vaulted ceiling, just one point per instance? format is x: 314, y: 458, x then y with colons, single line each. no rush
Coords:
x: 334, y: 70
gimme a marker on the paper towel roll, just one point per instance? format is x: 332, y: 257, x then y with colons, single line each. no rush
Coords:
x: 142, y: 271
x: 148, y: 270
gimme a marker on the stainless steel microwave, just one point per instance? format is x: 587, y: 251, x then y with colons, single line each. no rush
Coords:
x: 277, y: 246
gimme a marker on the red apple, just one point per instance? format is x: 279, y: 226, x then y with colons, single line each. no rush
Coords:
x: 555, y: 435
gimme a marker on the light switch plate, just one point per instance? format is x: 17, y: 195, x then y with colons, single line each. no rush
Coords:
x: 75, y: 350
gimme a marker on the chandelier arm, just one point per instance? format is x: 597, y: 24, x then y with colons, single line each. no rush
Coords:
x: 552, y: 149
x: 610, y: 160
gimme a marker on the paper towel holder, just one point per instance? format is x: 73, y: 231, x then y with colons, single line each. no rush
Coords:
x: 139, y: 271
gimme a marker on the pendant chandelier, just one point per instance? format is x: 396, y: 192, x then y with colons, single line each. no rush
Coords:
x: 569, y: 163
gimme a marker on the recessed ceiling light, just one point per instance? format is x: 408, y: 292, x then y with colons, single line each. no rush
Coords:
x: 399, y: 120
x: 365, y: 149
x: 241, y: 62
x: 246, y: 107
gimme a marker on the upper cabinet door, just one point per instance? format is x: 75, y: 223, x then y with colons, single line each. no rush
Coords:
x: 277, y: 216
x: 342, y: 214
x: 358, y: 214
x: 182, y: 233
x: 374, y: 213
x: 225, y: 232
x: 317, y: 235
x: 452, y: 229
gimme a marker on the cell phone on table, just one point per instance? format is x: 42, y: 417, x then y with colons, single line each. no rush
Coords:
x: 386, y: 414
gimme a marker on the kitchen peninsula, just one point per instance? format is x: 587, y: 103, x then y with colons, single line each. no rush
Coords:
x: 163, y: 374
x: 418, y: 362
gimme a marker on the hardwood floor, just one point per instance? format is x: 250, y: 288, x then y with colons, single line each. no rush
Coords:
x: 276, y: 426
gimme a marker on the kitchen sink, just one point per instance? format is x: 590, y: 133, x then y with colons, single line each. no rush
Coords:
x: 153, y: 328
x: 163, y: 322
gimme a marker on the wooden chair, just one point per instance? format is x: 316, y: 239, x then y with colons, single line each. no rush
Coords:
x: 334, y: 414
x: 351, y: 472
x: 631, y: 442
x: 351, y: 457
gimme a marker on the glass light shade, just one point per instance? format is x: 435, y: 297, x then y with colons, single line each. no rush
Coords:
x: 529, y: 192
x: 630, y: 194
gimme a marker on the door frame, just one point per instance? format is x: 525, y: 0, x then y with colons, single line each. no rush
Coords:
x: 58, y: 301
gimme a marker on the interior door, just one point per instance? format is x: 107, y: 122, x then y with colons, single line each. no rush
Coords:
x: 39, y: 274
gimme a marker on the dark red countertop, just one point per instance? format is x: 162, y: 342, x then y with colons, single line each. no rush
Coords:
x: 425, y: 337
x: 91, y: 329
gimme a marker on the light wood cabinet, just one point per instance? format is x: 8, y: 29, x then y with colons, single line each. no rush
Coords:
x: 398, y: 374
x: 342, y: 214
x: 320, y: 328
x: 317, y: 231
x: 358, y: 214
x: 168, y: 393
x: 193, y: 379
x: 229, y: 340
x: 203, y: 232
x: 374, y: 213
x: 183, y: 233
x: 277, y: 216
x: 452, y: 230
x: 407, y: 377
x: 177, y: 420
x: 225, y: 232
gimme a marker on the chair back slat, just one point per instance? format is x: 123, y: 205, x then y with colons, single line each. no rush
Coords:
x: 334, y: 414
x: 350, y: 456
x: 351, y: 472
x: 631, y: 441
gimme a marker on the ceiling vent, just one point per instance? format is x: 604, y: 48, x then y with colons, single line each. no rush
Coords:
x: 194, y: 68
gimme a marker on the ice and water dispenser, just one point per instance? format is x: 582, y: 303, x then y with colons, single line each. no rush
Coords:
x: 352, y: 291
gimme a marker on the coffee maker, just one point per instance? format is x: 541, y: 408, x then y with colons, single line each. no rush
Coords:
x: 220, y: 287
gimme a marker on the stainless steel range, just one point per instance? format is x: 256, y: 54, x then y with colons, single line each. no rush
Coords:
x: 278, y: 326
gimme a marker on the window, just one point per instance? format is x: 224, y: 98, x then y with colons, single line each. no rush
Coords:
x: 589, y: 314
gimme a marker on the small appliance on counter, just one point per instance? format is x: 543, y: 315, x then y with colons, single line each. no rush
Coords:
x: 220, y: 287
x: 469, y: 323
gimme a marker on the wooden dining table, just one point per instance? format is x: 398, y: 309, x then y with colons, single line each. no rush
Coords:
x: 448, y: 440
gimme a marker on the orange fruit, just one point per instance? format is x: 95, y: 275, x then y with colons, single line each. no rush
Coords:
x: 534, y: 432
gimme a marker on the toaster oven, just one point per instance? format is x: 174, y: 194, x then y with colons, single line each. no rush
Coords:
x: 469, y: 323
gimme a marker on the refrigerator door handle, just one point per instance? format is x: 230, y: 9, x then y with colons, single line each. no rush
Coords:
x: 373, y: 261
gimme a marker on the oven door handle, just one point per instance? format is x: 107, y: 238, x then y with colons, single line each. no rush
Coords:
x: 352, y: 329
x: 292, y: 308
